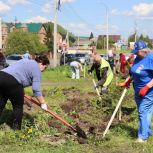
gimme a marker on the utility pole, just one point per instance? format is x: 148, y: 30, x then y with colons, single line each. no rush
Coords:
x: 135, y: 36
x: 107, y: 26
x: 78, y: 43
x: 55, y: 33
x: 67, y: 39
x: 107, y: 29
x: 0, y: 33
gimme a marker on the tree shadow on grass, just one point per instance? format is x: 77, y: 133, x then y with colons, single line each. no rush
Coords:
x: 122, y: 128
x: 128, y: 111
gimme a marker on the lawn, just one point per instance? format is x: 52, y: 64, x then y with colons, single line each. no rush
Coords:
x: 77, y: 102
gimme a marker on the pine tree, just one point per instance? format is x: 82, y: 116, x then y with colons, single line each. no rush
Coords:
x: 91, y: 36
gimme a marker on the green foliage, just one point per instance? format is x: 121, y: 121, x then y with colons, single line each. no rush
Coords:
x: 62, y: 31
x: 49, y: 39
x: 141, y: 37
x: 20, y: 41
x: 102, y: 42
x: 132, y: 38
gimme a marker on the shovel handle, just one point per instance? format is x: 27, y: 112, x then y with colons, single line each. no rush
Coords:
x: 115, y: 111
x: 96, y: 89
x: 50, y: 112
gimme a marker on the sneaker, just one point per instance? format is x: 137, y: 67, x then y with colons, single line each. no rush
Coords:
x: 139, y: 140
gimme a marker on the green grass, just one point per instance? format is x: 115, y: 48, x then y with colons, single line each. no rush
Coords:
x: 118, y: 51
x: 120, y: 138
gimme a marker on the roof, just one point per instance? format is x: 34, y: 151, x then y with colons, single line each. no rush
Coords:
x: 34, y: 27
x: 21, y: 25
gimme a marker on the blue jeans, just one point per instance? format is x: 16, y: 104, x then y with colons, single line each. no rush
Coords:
x: 145, y: 110
x: 75, y: 72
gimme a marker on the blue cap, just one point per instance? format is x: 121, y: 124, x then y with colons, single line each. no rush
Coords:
x: 140, y: 44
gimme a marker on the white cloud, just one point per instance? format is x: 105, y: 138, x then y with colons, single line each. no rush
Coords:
x: 48, y: 7
x: 116, y: 12
x: 3, y: 7
x: 113, y: 29
x: 14, y: 2
x: 143, y: 9
x: 37, y: 19
x: 79, y: 28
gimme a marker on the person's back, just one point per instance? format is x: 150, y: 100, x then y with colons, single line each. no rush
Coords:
x: 74, y: 64
x: 23, y: 73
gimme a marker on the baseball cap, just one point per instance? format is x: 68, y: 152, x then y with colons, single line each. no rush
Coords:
x: 140, y: 44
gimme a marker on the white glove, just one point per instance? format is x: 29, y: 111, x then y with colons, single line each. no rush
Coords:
x: 44, y: 106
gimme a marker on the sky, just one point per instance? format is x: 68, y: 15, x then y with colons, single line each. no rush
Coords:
x: 81, y: 17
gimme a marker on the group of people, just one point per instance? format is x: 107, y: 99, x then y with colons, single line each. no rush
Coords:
x: 140, y: 68
x: 16, y: 77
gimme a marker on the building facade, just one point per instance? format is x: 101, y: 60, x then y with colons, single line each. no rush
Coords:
x: 37, y: 28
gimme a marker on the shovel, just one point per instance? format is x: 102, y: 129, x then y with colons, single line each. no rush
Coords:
x: 77, y: 129
x: 96, y: 90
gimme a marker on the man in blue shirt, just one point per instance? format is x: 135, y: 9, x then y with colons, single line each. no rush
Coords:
x: 14, y: 78
x: 142, y: 76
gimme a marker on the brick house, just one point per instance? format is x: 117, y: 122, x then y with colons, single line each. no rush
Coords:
x: 113, y: 38
x: 37, y: 28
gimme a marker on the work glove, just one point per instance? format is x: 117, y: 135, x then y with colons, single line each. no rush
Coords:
x: 125, y: 83
x: 143, y: 91
x: 104, y: 90
x: 89, y: 72
x: 44, y: 106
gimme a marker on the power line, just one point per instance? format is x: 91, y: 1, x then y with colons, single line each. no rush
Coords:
x: 83, y: 20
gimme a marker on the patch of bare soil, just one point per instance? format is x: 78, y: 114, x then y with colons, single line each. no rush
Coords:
x: 88, y: 113
x: 89, y: 117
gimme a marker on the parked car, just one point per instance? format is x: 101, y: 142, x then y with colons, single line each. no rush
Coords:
x: 11, y: 59
x: 84, y: 58
x: 68, y: 58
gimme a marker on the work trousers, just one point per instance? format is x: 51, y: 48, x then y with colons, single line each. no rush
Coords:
x: 145, y: 110
x: 12, y: 90
x: 75, y: 72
